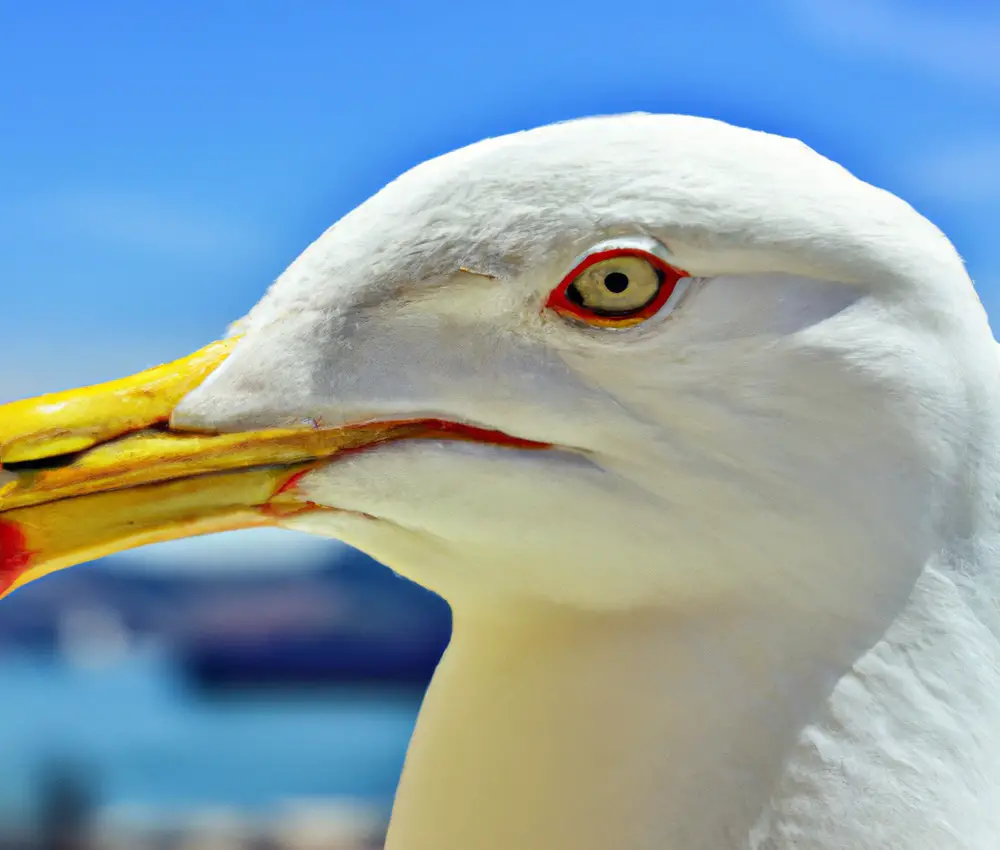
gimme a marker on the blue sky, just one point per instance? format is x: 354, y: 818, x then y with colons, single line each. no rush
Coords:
x: 161, y: 163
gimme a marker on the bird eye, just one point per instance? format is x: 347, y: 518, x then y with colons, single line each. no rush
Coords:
x: 618, y: 284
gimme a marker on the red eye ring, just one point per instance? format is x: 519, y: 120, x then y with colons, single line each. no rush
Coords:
x: 565, y: 306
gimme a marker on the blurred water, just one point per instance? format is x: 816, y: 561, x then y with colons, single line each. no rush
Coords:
x: 149, y: 743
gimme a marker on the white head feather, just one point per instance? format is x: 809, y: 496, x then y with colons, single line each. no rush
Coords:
x: 800, y: 459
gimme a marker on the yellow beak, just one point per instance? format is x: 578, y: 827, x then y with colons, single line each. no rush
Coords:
x: 92, y: 471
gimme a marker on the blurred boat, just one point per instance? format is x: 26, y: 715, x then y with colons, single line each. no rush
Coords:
x: 351, y: 621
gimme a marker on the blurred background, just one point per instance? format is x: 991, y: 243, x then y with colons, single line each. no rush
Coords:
x: 161, y: 163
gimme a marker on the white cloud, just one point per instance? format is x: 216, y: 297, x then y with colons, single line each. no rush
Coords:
x: 253, y: 551
x: 964, y: 173
x: 957, y: 43
x: 139, y: 222
x: 35, y: 363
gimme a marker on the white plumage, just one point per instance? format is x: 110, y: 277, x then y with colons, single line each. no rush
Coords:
x: 748, y: 601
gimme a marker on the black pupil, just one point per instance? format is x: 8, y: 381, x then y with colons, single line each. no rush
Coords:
x: 616, y: 282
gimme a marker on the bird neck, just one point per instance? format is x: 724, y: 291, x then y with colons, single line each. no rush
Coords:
x: 591, y: 731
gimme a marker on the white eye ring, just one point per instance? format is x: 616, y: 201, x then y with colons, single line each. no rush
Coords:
x: 641, y: 244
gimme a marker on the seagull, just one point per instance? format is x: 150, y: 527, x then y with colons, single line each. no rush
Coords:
x: 698, y: 435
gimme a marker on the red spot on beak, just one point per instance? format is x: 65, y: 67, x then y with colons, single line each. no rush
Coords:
x: 14, y: 554
x: 293, y: 482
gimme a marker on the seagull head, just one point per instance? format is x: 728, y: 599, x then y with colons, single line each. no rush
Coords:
x: 630, y: 361
x: 681, y: 419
